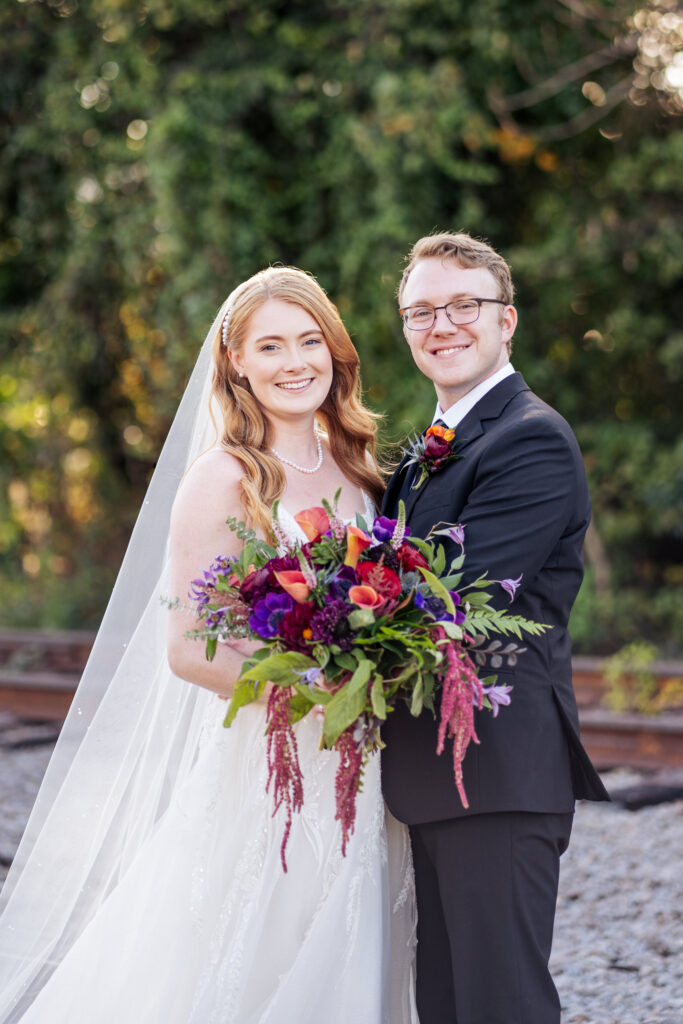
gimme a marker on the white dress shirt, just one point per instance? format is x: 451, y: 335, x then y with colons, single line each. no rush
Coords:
x: 456, y: 412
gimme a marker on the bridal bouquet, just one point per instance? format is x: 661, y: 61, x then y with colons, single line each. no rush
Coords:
x: 354, y: 620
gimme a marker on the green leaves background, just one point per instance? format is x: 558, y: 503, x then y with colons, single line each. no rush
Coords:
x: 154, y: 155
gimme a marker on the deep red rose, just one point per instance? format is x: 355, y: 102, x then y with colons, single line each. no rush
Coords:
x: 410, y: 558
x: 385, y: 581
x: 295, y: 627
x: 436, y: 448
x: 255, y: 586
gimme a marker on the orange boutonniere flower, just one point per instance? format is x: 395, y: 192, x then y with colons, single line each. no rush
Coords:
x: 431, y: 452
x: 446, y: 434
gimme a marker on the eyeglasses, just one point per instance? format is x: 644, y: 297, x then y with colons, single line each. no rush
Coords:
x: 461, y: 311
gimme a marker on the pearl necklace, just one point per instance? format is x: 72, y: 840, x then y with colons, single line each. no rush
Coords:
x: 295, y: 465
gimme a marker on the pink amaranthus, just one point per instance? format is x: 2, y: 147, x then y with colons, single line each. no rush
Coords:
x: 347, y: 782
x: 461, y: 691
x: 284, y: 770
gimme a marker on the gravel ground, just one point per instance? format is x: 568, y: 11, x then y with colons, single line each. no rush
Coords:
x: 21, y: 772
x: 618, y: 952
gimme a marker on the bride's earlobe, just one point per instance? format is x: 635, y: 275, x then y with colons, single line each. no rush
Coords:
x: 234, y: 365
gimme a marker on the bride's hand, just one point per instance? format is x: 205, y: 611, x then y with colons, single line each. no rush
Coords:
x: 246, y: 648
x: 263, y: 699
x: 242, y: 645
x: 321, y: 684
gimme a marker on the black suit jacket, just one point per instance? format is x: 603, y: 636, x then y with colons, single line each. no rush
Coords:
x: 520, y: 489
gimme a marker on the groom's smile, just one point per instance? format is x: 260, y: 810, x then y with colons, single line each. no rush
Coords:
x: 457, y: 357
x: 444, y: 353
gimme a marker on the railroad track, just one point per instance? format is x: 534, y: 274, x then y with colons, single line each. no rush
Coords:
x: 39, y: 672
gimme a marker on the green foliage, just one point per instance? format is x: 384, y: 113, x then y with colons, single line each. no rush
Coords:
x: 631, y: 686
x: 347, y: 704
x: 489, y: 620
x: 156, y: 155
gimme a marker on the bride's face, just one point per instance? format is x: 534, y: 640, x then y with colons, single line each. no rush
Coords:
x: 286, y: 360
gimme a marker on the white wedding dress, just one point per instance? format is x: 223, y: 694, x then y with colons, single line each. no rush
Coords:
x: 204, y: 927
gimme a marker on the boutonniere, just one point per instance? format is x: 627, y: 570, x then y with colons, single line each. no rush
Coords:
x: 431, y: 452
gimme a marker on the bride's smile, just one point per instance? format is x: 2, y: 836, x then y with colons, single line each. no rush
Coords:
x: 286, y: 361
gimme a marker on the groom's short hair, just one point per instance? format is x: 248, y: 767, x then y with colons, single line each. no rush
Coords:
x: 468, y: 252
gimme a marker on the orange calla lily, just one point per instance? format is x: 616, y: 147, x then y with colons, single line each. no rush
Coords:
x: 313, y: 521
x: 356, y: 542
x: 294, y: 583
x: 365, y: 597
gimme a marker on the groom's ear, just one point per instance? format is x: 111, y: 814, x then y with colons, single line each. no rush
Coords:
x: 509, y: 324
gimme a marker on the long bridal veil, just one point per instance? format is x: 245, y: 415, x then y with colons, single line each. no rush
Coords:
x: 130, y: 738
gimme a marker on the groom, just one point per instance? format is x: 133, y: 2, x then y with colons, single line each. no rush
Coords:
x: 487, y: 877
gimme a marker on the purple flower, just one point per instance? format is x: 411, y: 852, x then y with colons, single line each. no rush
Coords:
x: 267, y: 614
x: 216, y: 618
x: 223, y: 565
x: 364, y: 730
x: 383, y: 529
x: 347, y: 574
x: 344, y: 579
x: 309, y: 676
x: 437, y: 608
x: 456, y: 534
x: 329, y: 625
x: 382, y: 552
x: 202, y: 590
x: 499, y: 696
x: 510, y: 586
x: 459, y: 616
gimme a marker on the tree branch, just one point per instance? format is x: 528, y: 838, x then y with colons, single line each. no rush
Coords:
x: 597, y: 557
x: 589, y: 11
x: 589, y: 117
x: 502, y: 105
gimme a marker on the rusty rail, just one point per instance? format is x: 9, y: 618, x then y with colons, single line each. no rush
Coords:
x: 39, y: 672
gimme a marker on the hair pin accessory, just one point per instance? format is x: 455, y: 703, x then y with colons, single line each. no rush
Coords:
x: 224, y: 328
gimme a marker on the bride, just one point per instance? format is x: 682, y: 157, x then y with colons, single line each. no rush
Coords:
x: 148, y: 887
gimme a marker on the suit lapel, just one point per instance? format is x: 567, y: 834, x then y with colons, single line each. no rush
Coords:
x: 394, y: 486
x: 490, y: 407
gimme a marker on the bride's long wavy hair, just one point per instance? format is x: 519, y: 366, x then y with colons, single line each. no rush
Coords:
x: 245, y: 433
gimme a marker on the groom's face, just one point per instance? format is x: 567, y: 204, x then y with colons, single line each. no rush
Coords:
x: 457, y: 357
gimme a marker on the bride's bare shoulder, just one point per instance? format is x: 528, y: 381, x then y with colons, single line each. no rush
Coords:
x: 214, y: 462
x: 213, y: 480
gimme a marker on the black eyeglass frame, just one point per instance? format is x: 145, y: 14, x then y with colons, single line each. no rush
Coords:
x: 435, y: 310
